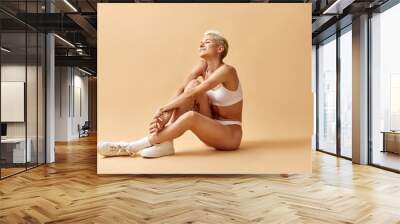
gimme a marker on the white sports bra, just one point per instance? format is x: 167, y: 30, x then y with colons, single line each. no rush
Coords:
x: 222, y: 96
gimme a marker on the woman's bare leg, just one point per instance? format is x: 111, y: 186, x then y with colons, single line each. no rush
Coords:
x: 201, y: 102
x: 205, y: 128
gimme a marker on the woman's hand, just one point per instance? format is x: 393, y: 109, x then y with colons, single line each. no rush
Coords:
x: 160, y: 119
x: 157, y: 114
x: 176, y: 102
x: 154, y: 126
x: 158, y: 122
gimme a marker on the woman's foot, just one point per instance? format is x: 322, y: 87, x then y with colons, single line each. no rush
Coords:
x: 158, y: 150
x: 122, y: 148
x: 108, y: 149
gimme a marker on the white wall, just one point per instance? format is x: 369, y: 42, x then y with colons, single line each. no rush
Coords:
x: 62, y: 78
x: 80, y: 83
x: 15, y: 72
x: 70, y: 83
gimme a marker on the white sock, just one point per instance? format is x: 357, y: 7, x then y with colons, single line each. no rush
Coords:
x: 140, y: 144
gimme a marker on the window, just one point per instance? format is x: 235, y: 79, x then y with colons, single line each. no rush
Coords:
x: 327, y: 95
x: 346, y: 92
x: 22, y: 77
x: 385, y: 88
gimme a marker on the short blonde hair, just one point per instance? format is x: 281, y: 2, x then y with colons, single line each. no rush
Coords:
x: 220, y: 39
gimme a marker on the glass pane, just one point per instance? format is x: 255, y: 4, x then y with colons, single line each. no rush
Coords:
x: 41, y: 98
x: 13, y: 86
x: 346, y: 94
x: 386, y: 89
x: 22, y: 88
x: 327, y: 96
x: 31, y: 100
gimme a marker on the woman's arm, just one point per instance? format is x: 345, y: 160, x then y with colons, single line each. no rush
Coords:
x: 198, y: 70
x: 219, y: 76
x: 162, y: 118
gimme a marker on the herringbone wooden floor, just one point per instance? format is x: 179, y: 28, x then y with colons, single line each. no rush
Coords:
x: 70, y: 191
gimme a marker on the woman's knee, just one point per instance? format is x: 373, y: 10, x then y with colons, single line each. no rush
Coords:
x: 190, y: 118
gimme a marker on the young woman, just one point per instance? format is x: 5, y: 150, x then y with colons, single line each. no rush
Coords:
x: 211, y: 108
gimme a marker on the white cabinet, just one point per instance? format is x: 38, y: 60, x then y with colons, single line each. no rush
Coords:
x: 17, y: 147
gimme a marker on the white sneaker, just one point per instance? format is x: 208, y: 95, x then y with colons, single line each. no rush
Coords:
x: 107, y: 149
x: 163, y: 149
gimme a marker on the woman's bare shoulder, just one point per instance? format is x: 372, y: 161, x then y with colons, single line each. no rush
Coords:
x: 230, y: 69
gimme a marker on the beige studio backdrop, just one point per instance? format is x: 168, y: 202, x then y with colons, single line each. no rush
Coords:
x: 145, y: 51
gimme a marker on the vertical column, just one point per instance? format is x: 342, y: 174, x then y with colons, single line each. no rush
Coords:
x: 360, y: 90
x: 92, y: 99
x: 314, y: 91
x: 338, y: 99
x: 50, y: 92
